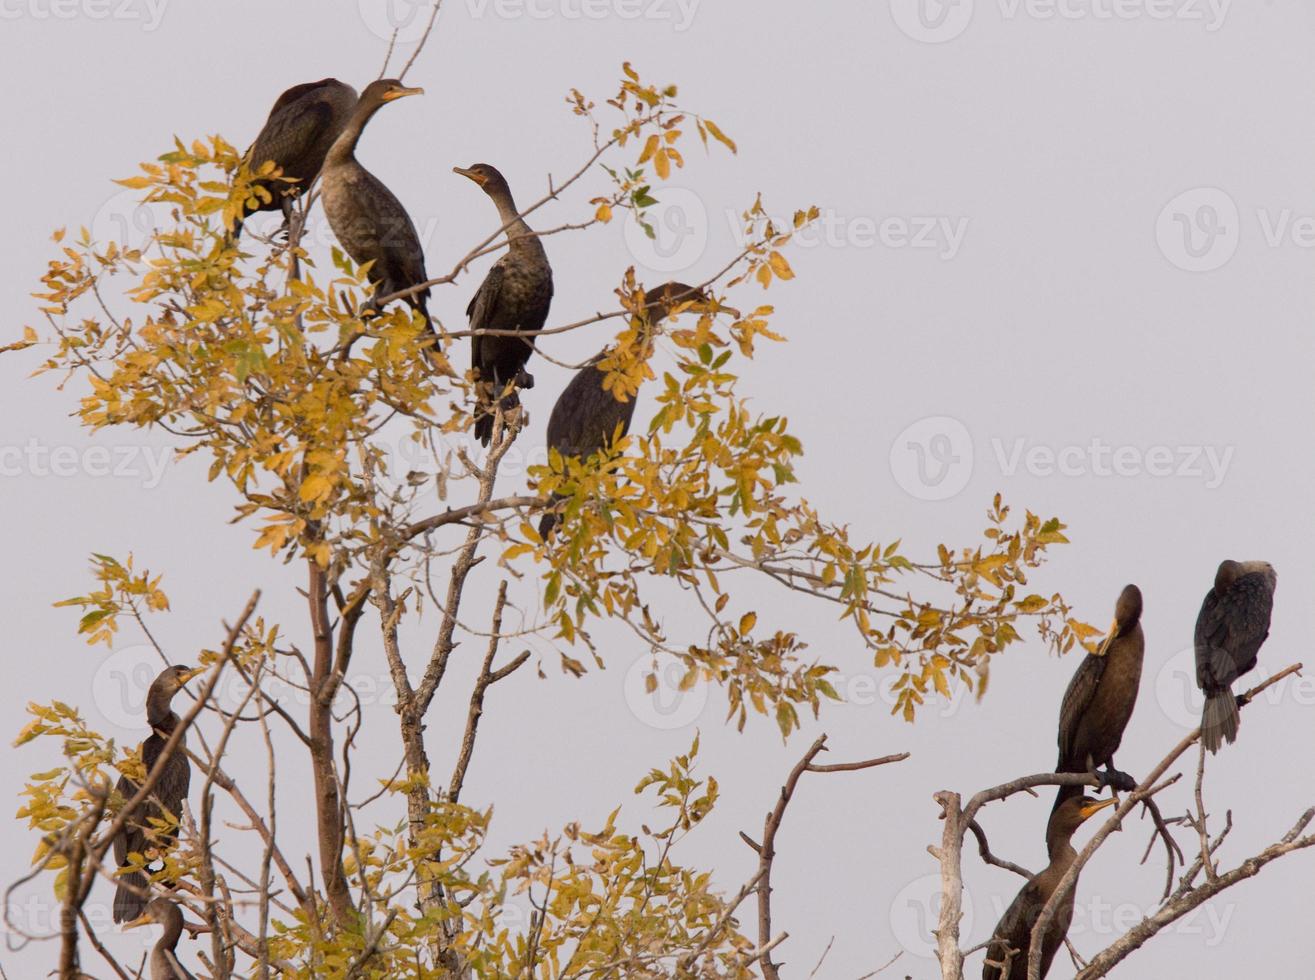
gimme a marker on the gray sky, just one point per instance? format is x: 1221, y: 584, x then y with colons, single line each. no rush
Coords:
x: 1082, y: 228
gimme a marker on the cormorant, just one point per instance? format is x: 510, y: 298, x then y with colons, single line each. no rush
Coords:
x: 368, y: 220
x: 1100, y: 699
x: 515, y: 295
x: 170, y: 790
x: 1232, y: 624
x: 586, y: 414
x: 296, y: 137
x: 164, y: 958
x: 1013, y: 933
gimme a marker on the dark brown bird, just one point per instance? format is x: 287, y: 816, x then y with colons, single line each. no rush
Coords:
x: 1099, y: 701
x: 587, y: 416
x: 515, y: 295
x: 296, y: 137
x: 164, y: 957
x: 1232, y: 625
x: 170, y: 791
x: 1011, y: 941
x: 367, y: 219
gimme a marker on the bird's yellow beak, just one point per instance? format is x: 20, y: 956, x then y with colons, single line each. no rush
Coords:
x: 473, y: 175
x: 401, y: 93
x: 193, y: 672
x: 1091, y: 808
x: 142, y: 920
x: 1110, y: 637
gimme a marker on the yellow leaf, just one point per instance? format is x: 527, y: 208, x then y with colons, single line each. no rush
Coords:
x: 720, y: 136
x: 780, y: 266
x: 604, y: 213
x: 650, y: 148
x: 315, y: 486
x: 747, y: 622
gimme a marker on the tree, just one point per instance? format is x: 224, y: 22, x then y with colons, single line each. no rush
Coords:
x: 259, y: 364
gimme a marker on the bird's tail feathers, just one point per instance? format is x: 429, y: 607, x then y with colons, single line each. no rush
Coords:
x: 1219, y: 721
x: 130, y: 903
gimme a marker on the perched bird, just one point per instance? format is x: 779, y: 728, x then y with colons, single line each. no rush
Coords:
x: 296, y: 137
x: 1232, y: 624
x: 367, y: 219
x: 515, y: 295
x: 164, y: 958
x: 1100, y: 699
x: 587, y: 415
x: 170, y: 790
x: 1011, y: 941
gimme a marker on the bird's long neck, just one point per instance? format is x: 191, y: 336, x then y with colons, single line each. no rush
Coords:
x: 159, y: 711
x: 173, y: 931
x: 518, y: 232
x: 1060, y: 848
x: 344, y: 147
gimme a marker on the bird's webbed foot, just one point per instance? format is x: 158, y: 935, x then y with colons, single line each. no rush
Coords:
x: 1242, y: 700
x: 1119, y: 782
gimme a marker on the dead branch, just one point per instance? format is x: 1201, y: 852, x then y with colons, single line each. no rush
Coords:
x: 985, y: 850
x: 766, y: 850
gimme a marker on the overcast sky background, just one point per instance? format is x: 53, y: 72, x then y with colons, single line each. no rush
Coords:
x: 1090, y: 229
